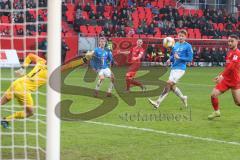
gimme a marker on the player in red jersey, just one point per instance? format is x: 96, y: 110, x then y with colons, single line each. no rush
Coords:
x: 229, y: 78
x: 134, y: 61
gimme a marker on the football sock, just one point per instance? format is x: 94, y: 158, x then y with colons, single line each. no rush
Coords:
x: 164, y: 94
x: 99, y: 83
x: 128, y: 83
x: 136, y: 83
x: 110, y: 88
x: 16, y: 115
x: 215, y: 103
x: 178, y: 92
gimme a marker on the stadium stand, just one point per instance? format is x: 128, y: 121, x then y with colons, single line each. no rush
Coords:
x: 128, y: 18
x: 149, y: 18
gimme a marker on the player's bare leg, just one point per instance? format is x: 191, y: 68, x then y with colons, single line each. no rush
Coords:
x: 128, y: 83
x: 111, y: 85
x: 236, y: 96
x: 214, y: 99
x: 3, y: 100
x: 164, y: 94
x: 178, y: 93
x: 98, y: 85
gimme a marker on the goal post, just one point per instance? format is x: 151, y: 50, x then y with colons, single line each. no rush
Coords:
x: 54, y: 61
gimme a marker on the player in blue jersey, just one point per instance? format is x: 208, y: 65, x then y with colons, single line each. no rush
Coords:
x: 181, y: 54
x: 101, y: 62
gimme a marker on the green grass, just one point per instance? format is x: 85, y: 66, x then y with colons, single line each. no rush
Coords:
x: 88, y: 141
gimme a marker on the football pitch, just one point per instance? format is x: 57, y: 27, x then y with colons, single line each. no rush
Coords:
x: 139, y: 132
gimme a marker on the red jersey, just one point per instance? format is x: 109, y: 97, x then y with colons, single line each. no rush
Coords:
x: 231, y: 72
x: 134, y: 53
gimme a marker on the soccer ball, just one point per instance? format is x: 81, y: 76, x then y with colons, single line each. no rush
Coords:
x: 168, y: 42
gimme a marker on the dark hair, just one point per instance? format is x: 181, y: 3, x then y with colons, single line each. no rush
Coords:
x: 234, y: 36
x: 183, y: 31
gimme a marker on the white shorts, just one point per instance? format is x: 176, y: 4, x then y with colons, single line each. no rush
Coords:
x: 105, y: 72
x: 176, y: 75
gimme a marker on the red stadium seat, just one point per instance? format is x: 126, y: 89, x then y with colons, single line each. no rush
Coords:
x: 5, y: 19
x: 33, y: 12
x: 45, y: 33
x: 166, y: 2
x: 200, y: 13
x: 83, y: 29
x: 196, y: 30
x: 186, y: 11
x: 91, y: 29
x: 178, y: 29
x: 191, y: 35
x: 98, y: 29
x: 180, y: 11
x: 70, y: 17
x: 143, y: 36
x: 134, y: 15
x: 215, y: 25
x: 154, y: 3
x: 148, y: 11
x: 30, y: 43
x: 94, y: 8
x: 140, y: 10
x: 193, y: 11
x: 70, y: 7
x: 204, y: 37
x: 142, y: 16
x: 135, y: 36
x: 150, y: 36
x: 221, y: 26
x: 18, y: 44
x: 158, y: 35
x: 224, y: 37
x: 160, y: 4
x: 127, y: 29
x: 106, y: 15
x: 85, y: 15
x: 190, y: 30
x: 108, y: 9
x: 5, y: 44
x: 198, y: 35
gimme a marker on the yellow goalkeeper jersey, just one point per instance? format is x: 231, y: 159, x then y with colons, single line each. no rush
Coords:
x: 37, y: 76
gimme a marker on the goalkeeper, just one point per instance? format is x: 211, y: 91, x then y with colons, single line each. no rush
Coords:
x: 22, y: 88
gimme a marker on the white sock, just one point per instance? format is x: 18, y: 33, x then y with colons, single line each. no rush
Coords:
x: 178, y: 93
x: 99, y: 83
x: 110, y: 88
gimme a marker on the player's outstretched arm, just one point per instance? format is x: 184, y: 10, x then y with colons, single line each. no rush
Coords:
x: 78, y: 61
x: 27, y: 61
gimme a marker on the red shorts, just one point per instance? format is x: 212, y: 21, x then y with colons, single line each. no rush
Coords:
x: 226, y: 85
x: 131, y: 74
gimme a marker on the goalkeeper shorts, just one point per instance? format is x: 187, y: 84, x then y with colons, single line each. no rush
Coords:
x: 18, y: 90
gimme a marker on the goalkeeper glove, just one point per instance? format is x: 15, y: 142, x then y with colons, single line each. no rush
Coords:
x: 21, y: 72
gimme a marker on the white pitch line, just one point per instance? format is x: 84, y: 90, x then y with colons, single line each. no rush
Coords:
x: 165, y: 133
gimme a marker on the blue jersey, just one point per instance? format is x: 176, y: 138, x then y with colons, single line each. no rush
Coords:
x: 185, y: 52
x: 102, y: 59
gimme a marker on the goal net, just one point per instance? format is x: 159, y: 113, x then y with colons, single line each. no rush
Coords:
x: 23, y: 30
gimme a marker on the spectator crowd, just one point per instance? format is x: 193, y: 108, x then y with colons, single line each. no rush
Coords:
x: 120, y: 20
